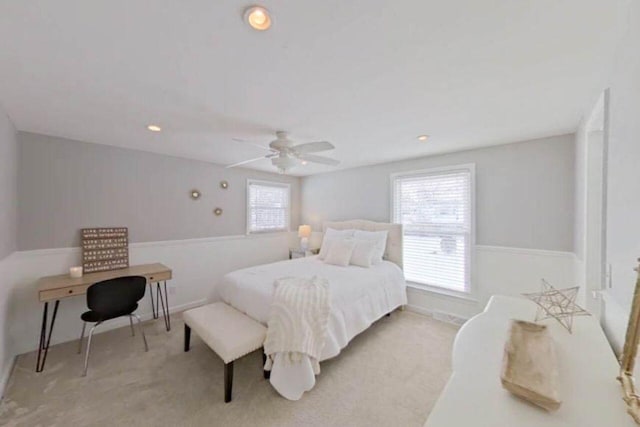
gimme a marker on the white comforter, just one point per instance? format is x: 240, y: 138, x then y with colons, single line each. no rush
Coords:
x: 359, y: 296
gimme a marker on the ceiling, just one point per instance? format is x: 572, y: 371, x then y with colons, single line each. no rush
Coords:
x: 367, y: 75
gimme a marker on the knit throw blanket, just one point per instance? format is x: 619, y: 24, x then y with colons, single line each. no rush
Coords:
x: 298, y: 321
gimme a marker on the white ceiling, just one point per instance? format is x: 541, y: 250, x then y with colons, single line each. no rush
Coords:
x: 367, y: 75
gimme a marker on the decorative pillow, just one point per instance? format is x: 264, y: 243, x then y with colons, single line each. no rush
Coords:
x: 380, y: 239
x: 331, y: 235
x: 340, y: 252
x: 363, y: 253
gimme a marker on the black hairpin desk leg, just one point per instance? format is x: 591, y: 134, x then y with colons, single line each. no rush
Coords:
x: 164, y: 301
x: 153, y: 305
x: 43, y: 346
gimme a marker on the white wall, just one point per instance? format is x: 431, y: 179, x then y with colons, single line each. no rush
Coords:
x: 524, y: 215
x: 623, y: 191
x: 8, y: 231
x: 524, y: 192
x: 8, y: 186
x: 65, y: 185
x: 499, y: 270
x: 580, y: 205
x: 590, y: 194
x: 197, y: 264
x: 7, y: 350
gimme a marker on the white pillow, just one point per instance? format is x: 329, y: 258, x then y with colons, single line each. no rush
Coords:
x: 331, y: 235
x: 380, y: 239
x: 363, y: 253
x: 340, y: 252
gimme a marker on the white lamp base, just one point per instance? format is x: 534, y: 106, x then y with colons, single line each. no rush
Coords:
x: 304, y: 243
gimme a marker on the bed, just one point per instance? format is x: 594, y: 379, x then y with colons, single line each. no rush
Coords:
x: 359, y: 297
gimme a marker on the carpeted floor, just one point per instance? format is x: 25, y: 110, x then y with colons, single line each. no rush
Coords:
x: 390, y: 375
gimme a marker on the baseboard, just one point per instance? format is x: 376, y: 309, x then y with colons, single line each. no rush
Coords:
x: 438, y: 315
x: 6, y: 374
x: 176, y: 309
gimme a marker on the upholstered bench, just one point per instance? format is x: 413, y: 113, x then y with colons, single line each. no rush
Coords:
x: 228, y: 332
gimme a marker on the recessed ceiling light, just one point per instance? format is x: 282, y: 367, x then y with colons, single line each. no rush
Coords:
x: 304, y: 162
x: 258, y: 18
x: 154, y: 128
x: 423, y: 137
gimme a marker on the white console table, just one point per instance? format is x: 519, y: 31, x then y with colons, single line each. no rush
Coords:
x: 588, y: 368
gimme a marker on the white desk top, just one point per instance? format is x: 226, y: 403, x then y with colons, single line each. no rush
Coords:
x: 591, y: 395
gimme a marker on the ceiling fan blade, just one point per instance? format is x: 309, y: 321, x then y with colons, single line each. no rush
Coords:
x: 320, y: 159
x: 245, y: 162
x: 313, y: 147
x: 255, y: 144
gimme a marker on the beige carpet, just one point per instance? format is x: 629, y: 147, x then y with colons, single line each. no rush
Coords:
x: 390, y: 375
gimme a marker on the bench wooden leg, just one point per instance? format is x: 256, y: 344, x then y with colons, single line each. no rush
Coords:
x: 265, y: 373
x: 228, y: 381
x: 187, y: 337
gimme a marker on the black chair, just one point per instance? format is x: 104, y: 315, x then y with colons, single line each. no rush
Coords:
x: 108, y: 300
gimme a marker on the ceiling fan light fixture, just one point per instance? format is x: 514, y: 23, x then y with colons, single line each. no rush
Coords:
x: 284, y: 163
x: 258, y: 18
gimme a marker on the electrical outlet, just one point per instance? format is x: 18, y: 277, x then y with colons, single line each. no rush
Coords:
x: 172, y: 290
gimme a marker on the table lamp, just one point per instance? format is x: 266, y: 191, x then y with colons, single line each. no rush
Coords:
x: 304, y: 232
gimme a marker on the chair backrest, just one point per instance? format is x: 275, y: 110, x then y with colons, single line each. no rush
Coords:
x: 116, y: 295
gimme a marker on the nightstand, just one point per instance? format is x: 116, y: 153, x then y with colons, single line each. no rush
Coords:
x: 299, y: 253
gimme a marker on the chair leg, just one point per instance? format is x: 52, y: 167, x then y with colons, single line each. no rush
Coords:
x: 133, y: 333
x: 84, y: 325
x: 144, y: 338
x: 187, y: 337
x: 228, y: 381
x: 86, y: 356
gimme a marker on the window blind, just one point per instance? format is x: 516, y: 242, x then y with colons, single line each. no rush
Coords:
x: 435, y: 211
x: 267, y: 207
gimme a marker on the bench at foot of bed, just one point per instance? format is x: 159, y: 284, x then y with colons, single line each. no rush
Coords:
x: 228, y: 332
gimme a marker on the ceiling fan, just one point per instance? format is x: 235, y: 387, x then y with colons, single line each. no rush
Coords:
x: 285, y: 155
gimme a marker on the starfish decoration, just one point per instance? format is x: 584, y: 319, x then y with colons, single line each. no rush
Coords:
x: 558, y: 304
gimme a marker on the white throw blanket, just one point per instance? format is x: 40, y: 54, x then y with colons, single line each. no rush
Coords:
x: 298, y: 322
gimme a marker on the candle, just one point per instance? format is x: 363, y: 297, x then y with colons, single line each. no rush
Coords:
x: 75, y: 272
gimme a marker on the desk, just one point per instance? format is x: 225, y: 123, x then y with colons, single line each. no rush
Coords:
x: 55, y: 288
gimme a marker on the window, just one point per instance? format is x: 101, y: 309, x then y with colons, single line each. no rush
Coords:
x: 436, y: 210
x: 267, y: 206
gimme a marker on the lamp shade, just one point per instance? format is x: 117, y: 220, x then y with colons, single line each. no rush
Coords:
x: 304, y: 231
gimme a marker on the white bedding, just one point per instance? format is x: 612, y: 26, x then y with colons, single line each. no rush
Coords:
x: 359, y: 297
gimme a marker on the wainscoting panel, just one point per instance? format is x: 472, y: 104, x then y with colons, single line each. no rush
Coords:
x: 198, y: 265
x: 6, y: 351
x: 499, y: 270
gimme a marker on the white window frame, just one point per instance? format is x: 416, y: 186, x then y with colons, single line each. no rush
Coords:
x: 471, y: 294
x: 248, y: 208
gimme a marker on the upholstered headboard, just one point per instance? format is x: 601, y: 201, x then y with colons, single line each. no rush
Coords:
x: 393, y: 252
